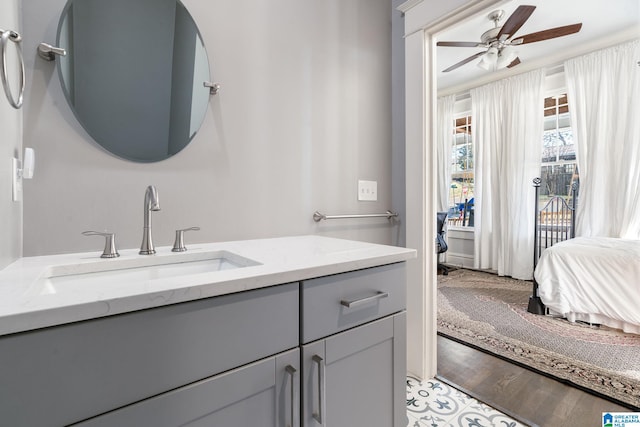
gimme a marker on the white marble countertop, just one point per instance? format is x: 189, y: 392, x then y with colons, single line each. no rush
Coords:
x: 28, y: 301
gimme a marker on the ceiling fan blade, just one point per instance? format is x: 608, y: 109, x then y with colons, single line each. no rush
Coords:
x: 514, y: 63
x: 551, y: 33
x: 464, y: 61
x: 515, y: 21
x: 459, y: 44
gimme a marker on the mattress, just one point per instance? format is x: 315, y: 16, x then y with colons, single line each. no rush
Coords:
x: 593, y: 279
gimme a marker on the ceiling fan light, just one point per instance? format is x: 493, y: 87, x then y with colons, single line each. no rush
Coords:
x: 485, y: 63
x: 488, y: 61
x: 505, y: 58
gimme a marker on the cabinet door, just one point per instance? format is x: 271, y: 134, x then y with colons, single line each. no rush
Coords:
x: 357, y: 377
x: 264, y: 393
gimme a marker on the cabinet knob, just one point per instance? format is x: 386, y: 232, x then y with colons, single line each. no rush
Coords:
x: 178, y: 244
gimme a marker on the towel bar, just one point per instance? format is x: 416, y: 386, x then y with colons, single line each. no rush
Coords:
x: 317, y: 216
x: 5, y: 37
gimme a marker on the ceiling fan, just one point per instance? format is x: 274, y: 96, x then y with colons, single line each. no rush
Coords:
x: 499, y: 39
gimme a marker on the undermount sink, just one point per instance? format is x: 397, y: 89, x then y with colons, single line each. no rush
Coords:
x: 124, y: 271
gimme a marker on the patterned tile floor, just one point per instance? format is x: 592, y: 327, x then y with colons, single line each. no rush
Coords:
x: 432, y: 403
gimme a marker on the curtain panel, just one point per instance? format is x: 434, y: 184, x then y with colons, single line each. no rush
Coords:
x: 444, y: 142
x: 603, y: 88
x: 507, y: 126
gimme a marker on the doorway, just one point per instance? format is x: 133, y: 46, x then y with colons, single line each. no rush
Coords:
x: 423, y: 20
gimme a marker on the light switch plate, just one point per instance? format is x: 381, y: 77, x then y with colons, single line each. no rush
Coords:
x: 367, y: 190
x: 16, y: 180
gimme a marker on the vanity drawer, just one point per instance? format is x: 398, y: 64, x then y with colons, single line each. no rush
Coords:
x: 71, y: 372
x: 335, y: 303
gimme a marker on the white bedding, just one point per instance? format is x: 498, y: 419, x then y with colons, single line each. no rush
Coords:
x: 593, y: 279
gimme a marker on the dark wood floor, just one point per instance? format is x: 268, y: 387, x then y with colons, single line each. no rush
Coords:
x: 519, y: 392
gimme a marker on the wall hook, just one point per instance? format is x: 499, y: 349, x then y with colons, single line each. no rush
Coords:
x: 48, y: 52
x: 214, y: 88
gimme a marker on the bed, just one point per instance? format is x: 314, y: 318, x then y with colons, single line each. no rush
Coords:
x: 594, y: 280
x: 588, y: 279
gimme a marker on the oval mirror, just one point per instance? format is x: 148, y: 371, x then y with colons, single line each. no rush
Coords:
x: 133, y: 74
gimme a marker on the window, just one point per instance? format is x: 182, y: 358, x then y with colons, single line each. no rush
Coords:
x: 559, y: 168
x: 461, y: 194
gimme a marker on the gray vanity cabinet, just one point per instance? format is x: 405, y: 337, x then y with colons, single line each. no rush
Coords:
x: 265, y: 394
x: 355, y: 374
x: 69, y: 373
x: 329, y: 351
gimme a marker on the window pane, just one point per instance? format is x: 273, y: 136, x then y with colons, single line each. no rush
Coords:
x: 462, y: 174
x: 559, y: 168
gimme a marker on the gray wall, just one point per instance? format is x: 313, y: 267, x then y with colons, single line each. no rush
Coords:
x: 304, y: 112
x: 10, y: 146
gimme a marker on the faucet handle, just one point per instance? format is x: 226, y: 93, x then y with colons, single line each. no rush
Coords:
x: 110, y: 250
x: 178, y: 245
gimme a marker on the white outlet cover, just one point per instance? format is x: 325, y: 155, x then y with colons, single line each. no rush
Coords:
x: 367, y: 190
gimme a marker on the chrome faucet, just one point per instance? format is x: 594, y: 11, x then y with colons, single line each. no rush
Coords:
x: 151, y: 203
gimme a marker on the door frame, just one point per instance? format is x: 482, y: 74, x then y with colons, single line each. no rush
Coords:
x: 423, y: 20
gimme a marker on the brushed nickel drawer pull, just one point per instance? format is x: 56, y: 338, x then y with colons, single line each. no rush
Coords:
x: 378, y: 295
x: 319, y: 415
x: 291, y: 372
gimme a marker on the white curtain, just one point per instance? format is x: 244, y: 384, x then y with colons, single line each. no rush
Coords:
x: 603, y: 88
x: 507, y: 127
x: 443, y: 149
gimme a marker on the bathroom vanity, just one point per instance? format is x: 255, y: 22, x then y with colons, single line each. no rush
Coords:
x: 305, y: 331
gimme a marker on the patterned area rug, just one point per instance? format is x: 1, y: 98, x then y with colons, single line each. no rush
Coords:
x: 490, y: 312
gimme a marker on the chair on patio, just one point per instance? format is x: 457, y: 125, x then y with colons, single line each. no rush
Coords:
x: 441, y: 243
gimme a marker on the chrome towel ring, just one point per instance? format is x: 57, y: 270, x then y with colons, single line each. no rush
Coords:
x: 5, y: 36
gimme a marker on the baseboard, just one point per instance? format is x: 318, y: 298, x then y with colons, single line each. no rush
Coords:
x: 459, y: 260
